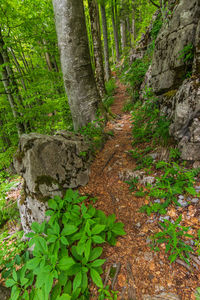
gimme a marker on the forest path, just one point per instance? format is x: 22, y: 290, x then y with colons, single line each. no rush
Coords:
x: 142, y: 271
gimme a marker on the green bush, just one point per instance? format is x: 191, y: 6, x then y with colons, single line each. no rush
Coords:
x: 171, y: 235
x: 66, y: 251
x: 148, y: 124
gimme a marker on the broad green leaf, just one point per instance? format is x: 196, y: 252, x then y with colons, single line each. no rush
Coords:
x: 52, y: 204
x: 98, y: 263
x: 10, y: 282
x: 77, y: 281
x: 96, y: 278
x: 98, y: 229
x: 33, y: 263
x: 65, y: 263
x: 84, y: 283
x: 69, y: 229
x: 118, y: 229
x: 95, y: 253
x: 97, y: 239
x: 87, y: 249
x: 64, y: 241
x: 35, y: 227
x: 64, y: 297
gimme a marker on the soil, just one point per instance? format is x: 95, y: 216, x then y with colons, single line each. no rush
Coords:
x: 142, y: 272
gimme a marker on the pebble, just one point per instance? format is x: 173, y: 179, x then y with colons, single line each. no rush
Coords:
x: 183, y: 203
x: 138, y: 225
x: 148, y: 256
x: 148, y: 240
x: 195, y: 200
x: 164, y: 218
x: 153, y: 155
x: 181, y: 197
x: 116, y: 146
x: 157, y: 201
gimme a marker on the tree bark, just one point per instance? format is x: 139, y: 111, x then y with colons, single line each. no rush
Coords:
x: 75, y: 61
x: 123, y: 34
x: 96, y: 36
x: 133, y: 33
x: 115, y: 31
x: 6, y: 83
x: 105, y: 42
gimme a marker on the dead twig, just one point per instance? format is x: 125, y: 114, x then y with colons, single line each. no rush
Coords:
x: 107, y: 162
x: 118, y: 267
x: 107, y: 276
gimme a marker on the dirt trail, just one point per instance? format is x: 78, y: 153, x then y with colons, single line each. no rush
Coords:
x: 142, y: 271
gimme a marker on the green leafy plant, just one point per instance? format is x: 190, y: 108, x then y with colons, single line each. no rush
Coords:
x: 133, y: 183
x: 156, y: 27
x: 148, y: 124
x: 66, y: 251
x: 7, y: 210
x: 104, y: 293
x: 10, y: 247
x: 174, y: 181
x: 187, y: 53
x: 171, y: 235
x: 197, y: 294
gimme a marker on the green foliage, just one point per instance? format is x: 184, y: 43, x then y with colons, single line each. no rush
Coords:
x: 7, y: 210
x: 66, y: 249
x: 175, y: 180
x: 10, y: 248
x: 134, y: 75
x: 104, y: 293
x: 197, y: 294
x: 148, y: 124
x: 187, y: 53
x: 156, y: 27
x: 110, y: 88
x: 94, y: 133
x: 197, y: 242
x: 171, y: 235
x: 128, y: 106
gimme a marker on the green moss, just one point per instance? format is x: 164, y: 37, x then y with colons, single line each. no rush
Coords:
x: 19, y: 155
x: 170, y: 94
x: 45, y: 179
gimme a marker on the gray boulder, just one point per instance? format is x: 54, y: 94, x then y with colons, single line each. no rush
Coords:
x: 49, y: 166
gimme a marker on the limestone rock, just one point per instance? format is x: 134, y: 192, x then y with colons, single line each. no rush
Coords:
x: 4, y: 293
x: 49, y: 165
x: 179, y: 96
x: 168, y: 69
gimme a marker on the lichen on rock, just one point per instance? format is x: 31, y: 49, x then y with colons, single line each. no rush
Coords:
x: 49, y: 166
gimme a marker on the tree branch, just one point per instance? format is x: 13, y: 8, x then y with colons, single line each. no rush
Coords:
x: 154, y: 4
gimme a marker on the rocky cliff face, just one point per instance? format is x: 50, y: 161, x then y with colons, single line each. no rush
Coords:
x: 49, y: 165
x: 175, y: 75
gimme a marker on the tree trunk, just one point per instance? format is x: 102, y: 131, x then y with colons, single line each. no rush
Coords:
x: 75, y: 61
x: 133, y: 35
x: 123, y: 34
x: 18, y: 68
x: 6, y: 83
x: 105, y: 42
x: 115, y: 32
x: 96, y: 36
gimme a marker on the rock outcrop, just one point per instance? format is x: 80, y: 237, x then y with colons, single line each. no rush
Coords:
x: 49, y: 166
x: 175, y: 75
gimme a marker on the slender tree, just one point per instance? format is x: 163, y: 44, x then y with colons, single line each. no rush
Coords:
x: 96, y: 36
x: 105, y: 41
x: 115, y: 28
x: 75, y: 61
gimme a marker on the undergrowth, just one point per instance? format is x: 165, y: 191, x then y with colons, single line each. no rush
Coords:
x: 66, y: 253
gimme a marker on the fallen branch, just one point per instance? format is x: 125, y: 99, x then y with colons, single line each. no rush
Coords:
x: 107, y: 162
x: 118, y: 267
